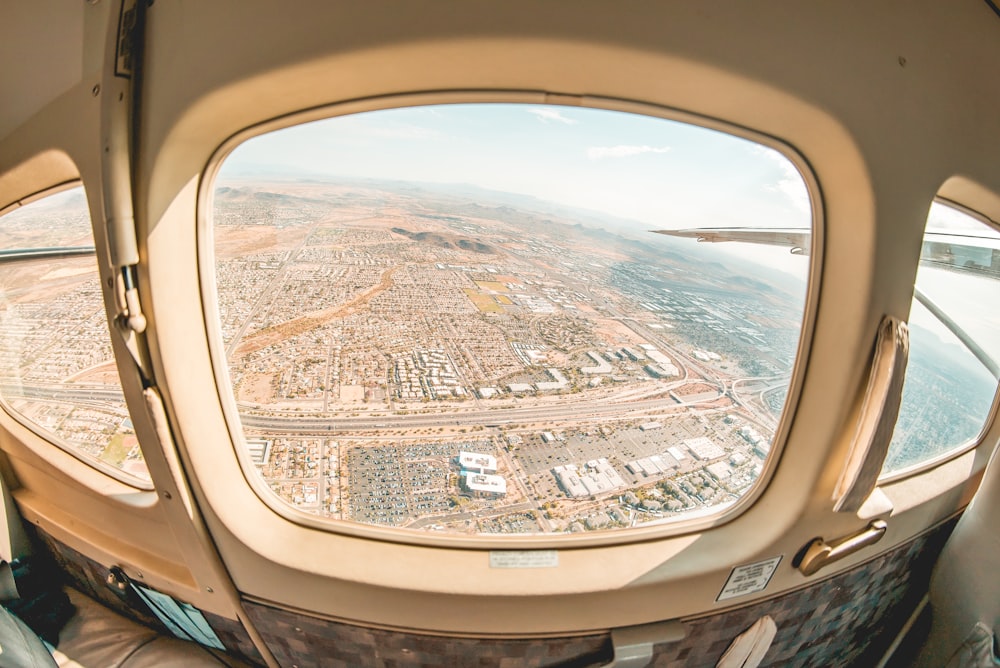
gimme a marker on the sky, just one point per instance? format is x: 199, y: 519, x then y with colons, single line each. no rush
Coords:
x: 659, y: 173
x: 663, y: 174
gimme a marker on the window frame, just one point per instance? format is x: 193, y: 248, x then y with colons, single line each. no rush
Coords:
x: 51, y: 439
x: 699, y: 521
x: 973, y: 443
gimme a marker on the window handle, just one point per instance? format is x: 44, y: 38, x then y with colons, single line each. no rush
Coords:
x: 877, y: 418
x: 819, y: 553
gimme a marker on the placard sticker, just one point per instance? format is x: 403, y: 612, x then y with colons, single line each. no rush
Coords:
x: 524, y: 559
x: 749, y: 579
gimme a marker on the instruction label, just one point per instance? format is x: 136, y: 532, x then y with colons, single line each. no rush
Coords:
x: 749, y: 579
x: 524, y: 559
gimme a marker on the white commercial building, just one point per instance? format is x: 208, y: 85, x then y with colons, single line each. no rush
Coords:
x: 676, y: 453
x: 474, y: 461
x: 720, y: 470
x: 602, y: 365
x: 559, y: 383
x: 484, y: 484
x: 569, y: 480
x: 703, y: 448
x: 661, y: 359
x: 652, y: 466
x: 597, y: 477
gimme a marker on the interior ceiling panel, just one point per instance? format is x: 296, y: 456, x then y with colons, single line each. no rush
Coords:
x: 45, y: 40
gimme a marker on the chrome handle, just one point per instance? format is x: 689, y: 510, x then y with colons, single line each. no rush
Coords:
x: 819, y: 553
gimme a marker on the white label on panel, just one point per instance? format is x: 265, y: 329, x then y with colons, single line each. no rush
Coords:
x: 524, y: 559
x: 749, y: 579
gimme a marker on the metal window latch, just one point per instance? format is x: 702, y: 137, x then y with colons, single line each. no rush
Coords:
x: 117, y: 580
x: 819, y: 553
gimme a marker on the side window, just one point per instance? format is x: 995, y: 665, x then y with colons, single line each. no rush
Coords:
x: 951, y: 376
x: 458, y: 319
x: 57, y: 371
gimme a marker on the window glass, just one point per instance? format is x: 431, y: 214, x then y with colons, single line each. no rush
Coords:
x: 56, y: 366
x: 459, y: 319
x: 954, y: 338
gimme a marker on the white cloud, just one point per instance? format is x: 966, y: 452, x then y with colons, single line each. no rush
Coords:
x: 622, y: 151
x: 791, y: 183
x: 792, y: 186
x: 546, y: 114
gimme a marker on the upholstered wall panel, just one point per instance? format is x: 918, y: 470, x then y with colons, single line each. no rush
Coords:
x: 91, y: 578
x: 308, y: 642
x: 845, y: 620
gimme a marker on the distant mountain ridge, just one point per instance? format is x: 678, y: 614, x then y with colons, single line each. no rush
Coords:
x: 448, y: 241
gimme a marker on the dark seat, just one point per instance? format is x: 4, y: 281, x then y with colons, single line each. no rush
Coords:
x: 96, y: 637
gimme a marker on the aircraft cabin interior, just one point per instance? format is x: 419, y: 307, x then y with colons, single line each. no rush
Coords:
x: 465, y: 333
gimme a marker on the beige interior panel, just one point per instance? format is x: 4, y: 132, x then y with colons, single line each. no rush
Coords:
x: 879, y: 111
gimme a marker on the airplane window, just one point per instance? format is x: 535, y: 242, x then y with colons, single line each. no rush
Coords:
x: 951, y: 375
x: 459, y: 318
x: 57, y: 371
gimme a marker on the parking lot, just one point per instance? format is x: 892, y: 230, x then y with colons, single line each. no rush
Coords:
x: 392, y: 484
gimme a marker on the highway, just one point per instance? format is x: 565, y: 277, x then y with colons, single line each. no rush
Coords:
x: 504, y: 416
x: 484, y: 513
x: 304, y: 424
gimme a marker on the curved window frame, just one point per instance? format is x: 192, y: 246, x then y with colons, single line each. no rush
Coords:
x: 698, y: 521
x: 96, y: 465
x: 976, y: 441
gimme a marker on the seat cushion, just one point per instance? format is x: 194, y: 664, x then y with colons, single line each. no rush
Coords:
x: 96, y: 637
x: 19, y: 646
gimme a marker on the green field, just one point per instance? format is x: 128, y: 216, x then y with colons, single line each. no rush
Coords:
x: 484, y: 303
x: 116, y: 452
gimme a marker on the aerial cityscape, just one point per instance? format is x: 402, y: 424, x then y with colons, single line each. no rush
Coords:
x: 409, y: 357
x: 55, y: 355
x: 449, y: 347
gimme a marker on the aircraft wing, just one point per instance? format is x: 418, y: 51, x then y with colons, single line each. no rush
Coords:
x: 798, y: 240
x: 962, y: 252
x: 17, y: 254
x: 978, y: 254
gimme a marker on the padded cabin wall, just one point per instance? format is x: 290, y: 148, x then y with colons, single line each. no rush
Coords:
x: 845, y: 620
x: 849, y: 619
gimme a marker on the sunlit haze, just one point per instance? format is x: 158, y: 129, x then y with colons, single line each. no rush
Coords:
x: 659, y: 173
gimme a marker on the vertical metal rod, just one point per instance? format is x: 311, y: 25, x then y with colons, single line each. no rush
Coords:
x: 973, y: 347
